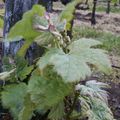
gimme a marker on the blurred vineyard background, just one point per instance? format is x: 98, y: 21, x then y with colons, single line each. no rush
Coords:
x: 106, y: 29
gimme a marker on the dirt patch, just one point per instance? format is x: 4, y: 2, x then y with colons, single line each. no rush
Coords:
x: 115, y: 60
x: 114, y: 100
x: 104, y: 22
x: 114, y: 81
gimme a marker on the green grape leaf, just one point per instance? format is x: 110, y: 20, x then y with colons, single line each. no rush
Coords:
x: 94, y: 109
x: 61, y: 26
x: 97, y: 57
x: 83, y: 43
x: 22, y: 68
x: 2, y: 12
x: 26, y: 71
x: 13, y: 97
x: 6, y: 75
x: 57, y: 111
x: 74, y: 65
x: 8, y: 63
x: 28, y: 108
x: 47, y: 92
x: 99, y: 111
x: 45, y: 59
x: 94, y: 89
x: 68, y: 12
x: 70, y: 67
x: 24, y: 27
x: 1, y: 23
x: 40, y: 20
x: 45, y: 39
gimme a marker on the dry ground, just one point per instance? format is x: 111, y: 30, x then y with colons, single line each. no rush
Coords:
x: 105, y: 22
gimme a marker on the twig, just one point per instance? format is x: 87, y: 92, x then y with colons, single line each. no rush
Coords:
x: 114, y: 66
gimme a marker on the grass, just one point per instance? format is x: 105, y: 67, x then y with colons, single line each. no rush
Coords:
x: 112, y: 10
x: 110, y: 42
x: 100, y: 7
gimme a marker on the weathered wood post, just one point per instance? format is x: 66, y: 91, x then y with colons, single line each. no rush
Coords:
x: 14, y: 10
x: 93, y: 20
x: 108, y: 6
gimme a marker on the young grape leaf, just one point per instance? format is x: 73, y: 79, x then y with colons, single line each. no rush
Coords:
x: 47, y: 92
x: 60, y: 25
x: 74, y: 65
x: 99, y: 111
x: 57, y: 111
x: 51, y: 30
x: 83, y: 43
x: 6, y: 75
x: 94, y: 89
x: 97, y: 57
x: 95, y: 109
x: 45, y: 59
x: 40, y: 20
x: 70, y: 67
x: 45, y: 39
x: 68, y: 13
x: 27, y: 110
x: 24, y: 27
x: 13, y: 97
x: 22, y: 68
x: 1, y: 23
x: 8, y: 63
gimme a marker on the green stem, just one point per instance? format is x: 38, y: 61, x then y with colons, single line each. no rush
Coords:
x: 77, y: 116
x: 72, y: 107
x: 22, y: 51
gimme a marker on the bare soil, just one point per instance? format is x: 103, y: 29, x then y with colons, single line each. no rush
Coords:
x: 104, y: 22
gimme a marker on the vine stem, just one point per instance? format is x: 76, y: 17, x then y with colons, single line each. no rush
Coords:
x: 22, y: 51
x: 73, y: 105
